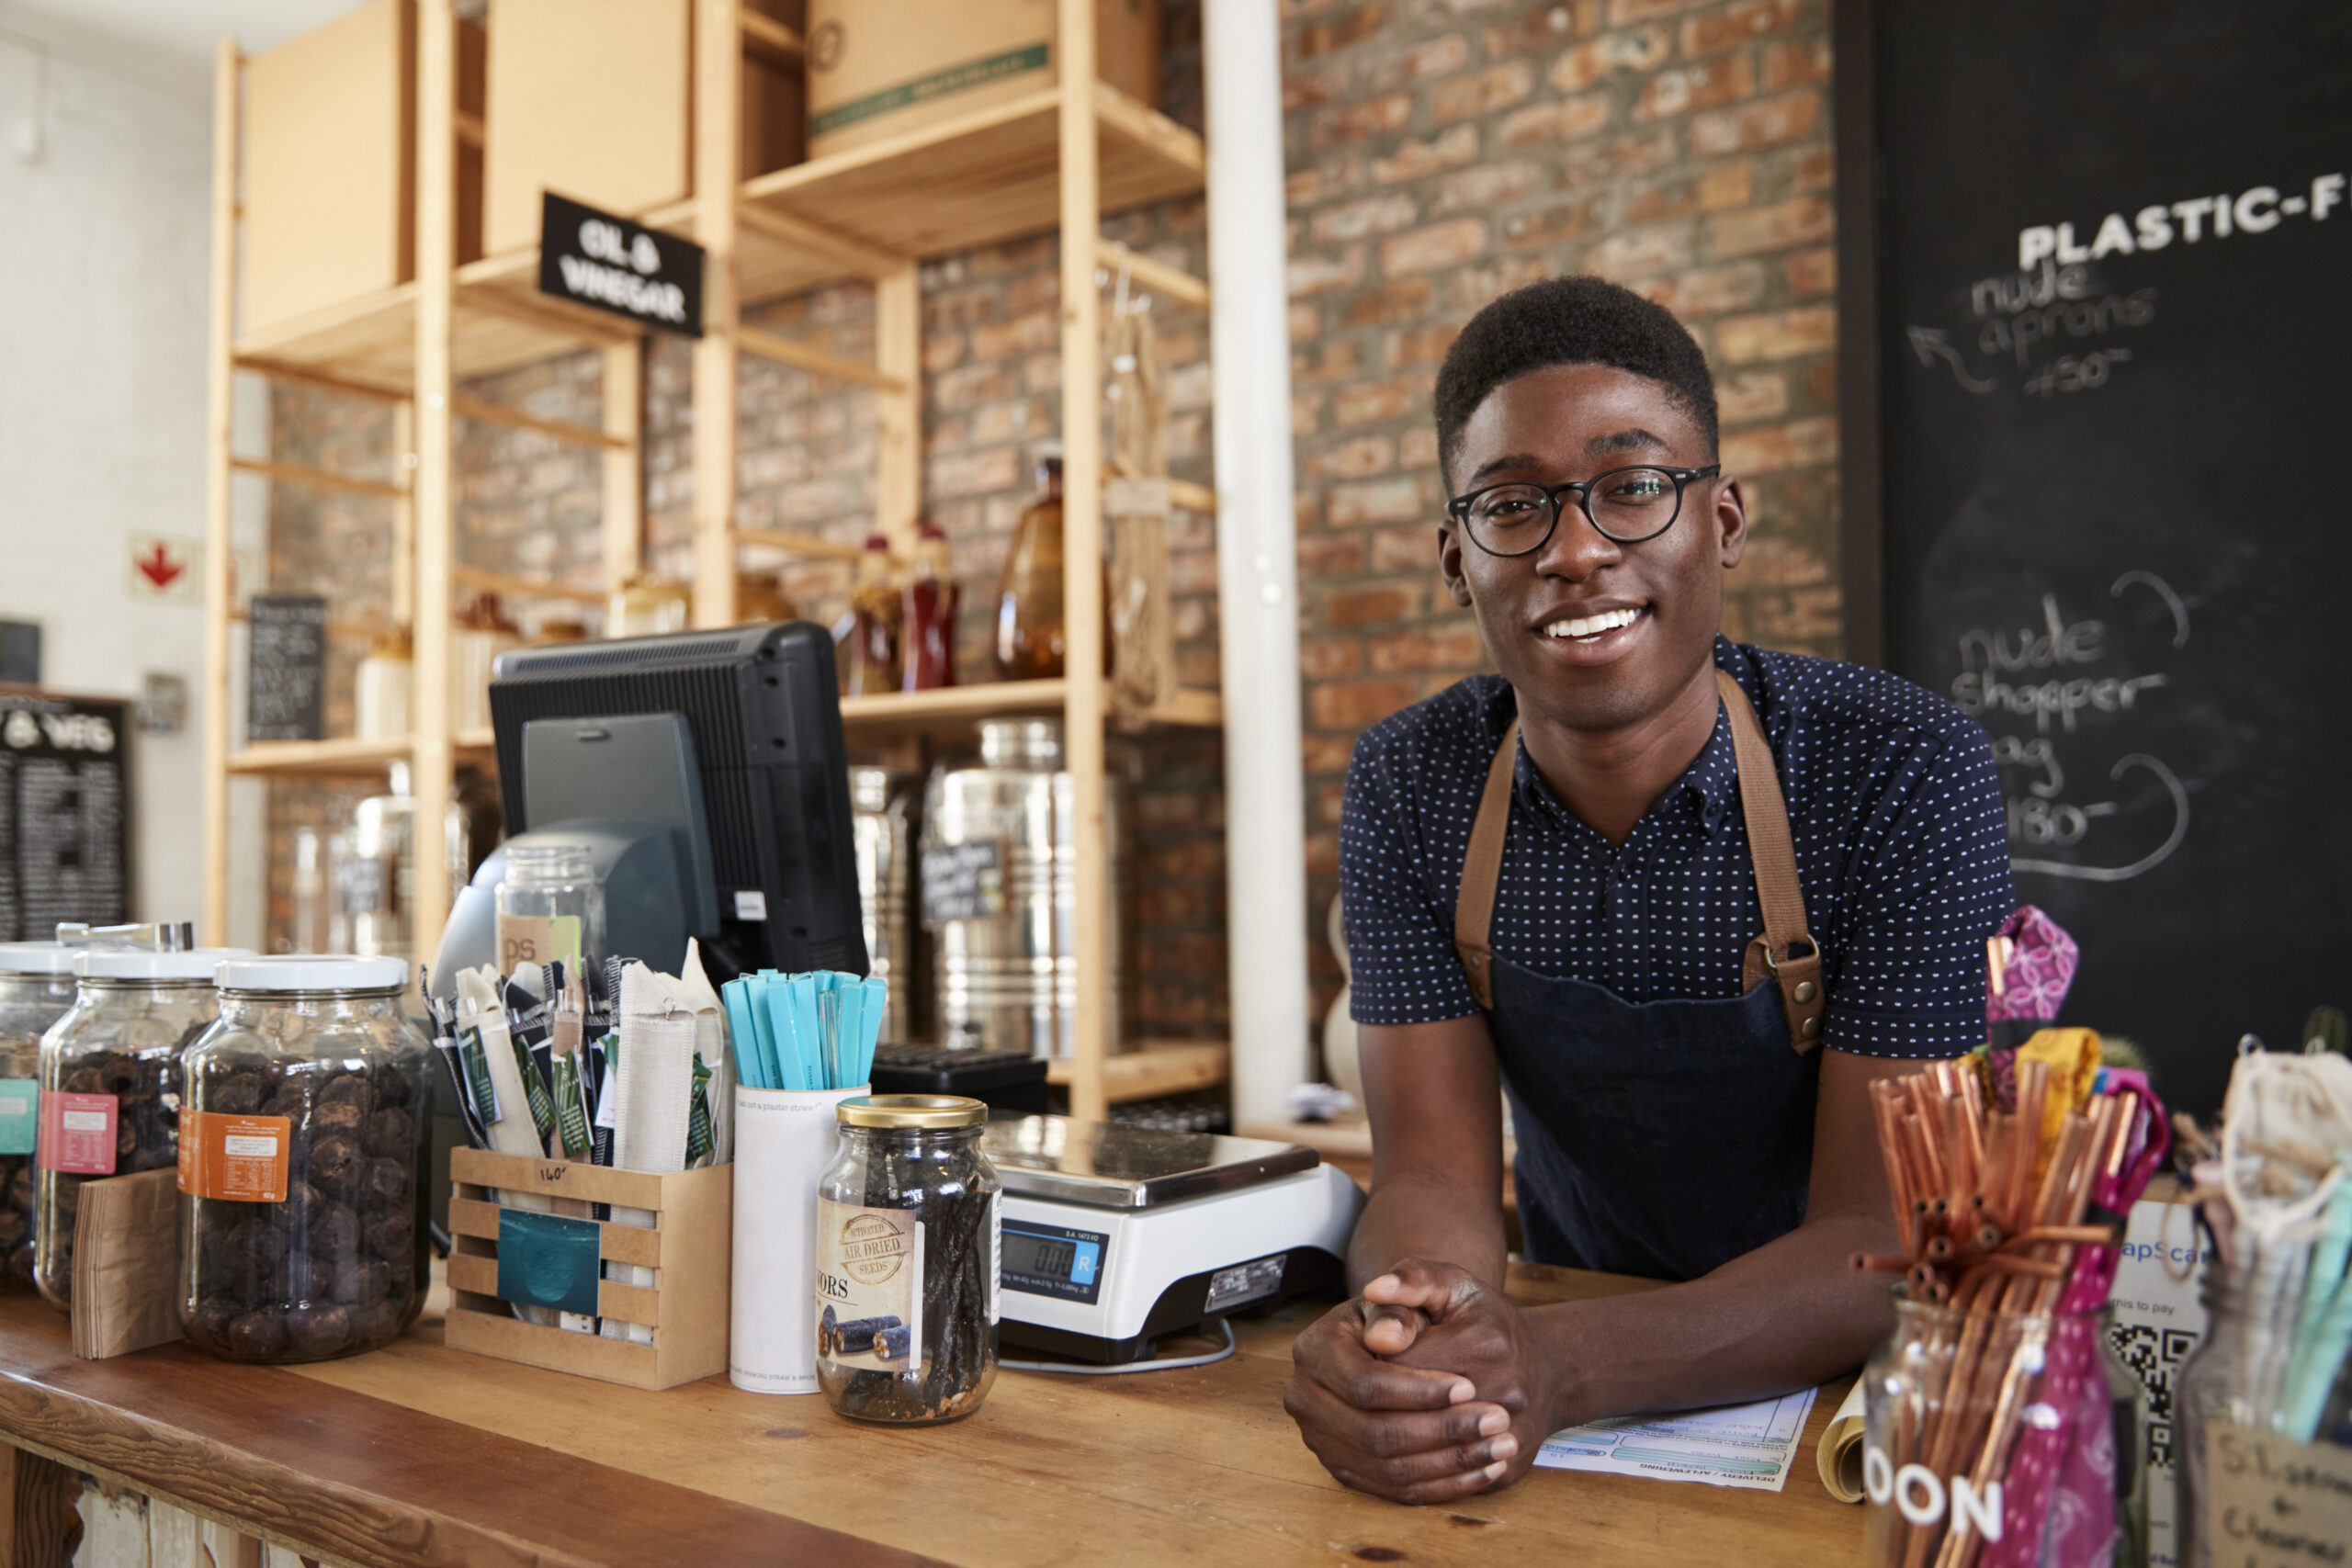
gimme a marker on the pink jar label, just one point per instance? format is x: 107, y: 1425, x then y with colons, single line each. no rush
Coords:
x: 77, y: 1134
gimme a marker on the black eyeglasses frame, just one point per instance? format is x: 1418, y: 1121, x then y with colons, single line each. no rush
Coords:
x: 1459, y: 507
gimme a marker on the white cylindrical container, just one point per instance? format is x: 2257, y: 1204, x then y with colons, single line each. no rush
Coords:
x: 785, y: 1139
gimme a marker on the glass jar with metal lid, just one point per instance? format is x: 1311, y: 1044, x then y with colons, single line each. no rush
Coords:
x: 111, y: 1083
x: 36, y: 989
x: 301, y: 1174
x: 906, y: 1273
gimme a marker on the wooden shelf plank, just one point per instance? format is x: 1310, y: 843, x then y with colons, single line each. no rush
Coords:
x: 975, y: 180
x: 960, y: 707
x: 320, y: 759
x: 1158, y: 1068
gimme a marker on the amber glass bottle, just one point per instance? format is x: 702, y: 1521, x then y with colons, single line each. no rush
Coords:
x: 1032, y: 634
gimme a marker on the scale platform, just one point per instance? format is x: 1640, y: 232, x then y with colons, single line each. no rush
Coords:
x: 1116, y: 1236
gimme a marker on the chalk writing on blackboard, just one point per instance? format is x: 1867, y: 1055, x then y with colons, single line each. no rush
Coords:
x: 2047, y: 673
x: 286, y: 667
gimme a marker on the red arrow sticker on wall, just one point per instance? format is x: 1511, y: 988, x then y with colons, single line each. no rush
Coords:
x: 158, y: 567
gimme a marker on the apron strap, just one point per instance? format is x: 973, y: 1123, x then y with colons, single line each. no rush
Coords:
x: 1769, y: 849
x: 1481, y: 870
x: 1776, y: 889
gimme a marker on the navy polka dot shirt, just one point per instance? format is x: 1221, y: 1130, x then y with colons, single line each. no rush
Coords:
x: 1894, y: 804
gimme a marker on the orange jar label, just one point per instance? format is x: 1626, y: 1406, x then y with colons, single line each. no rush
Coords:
x: 239, y: 1158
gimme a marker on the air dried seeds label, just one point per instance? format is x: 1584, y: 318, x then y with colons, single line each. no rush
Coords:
x: 77, y: 1134
x: 240, y: 1158
x: 19, y: 1114
x: 869, y: 1287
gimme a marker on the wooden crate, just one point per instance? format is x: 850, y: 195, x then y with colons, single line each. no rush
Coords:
x: 593, y: 100
x: 330, y: 166
x: 688, y: 1249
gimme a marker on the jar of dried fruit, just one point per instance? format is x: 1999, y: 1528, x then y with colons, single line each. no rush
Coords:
x: 301, y: 1174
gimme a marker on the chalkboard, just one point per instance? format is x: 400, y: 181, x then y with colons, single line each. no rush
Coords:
x: 2111, y: 321
x: 963, y: 881
x: 64, y: 813
x: 286, y: 672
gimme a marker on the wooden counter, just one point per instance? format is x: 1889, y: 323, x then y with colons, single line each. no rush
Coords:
x: 420, y: 1454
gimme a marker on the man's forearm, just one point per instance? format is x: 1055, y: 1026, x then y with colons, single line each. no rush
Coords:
x: 1409, y: 1218
x: 1789, y: 1314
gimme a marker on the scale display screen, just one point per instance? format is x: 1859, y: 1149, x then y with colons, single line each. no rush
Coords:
x: 1053, y: 1260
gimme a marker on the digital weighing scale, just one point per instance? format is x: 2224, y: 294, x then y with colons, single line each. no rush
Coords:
x: 1115, y: 1236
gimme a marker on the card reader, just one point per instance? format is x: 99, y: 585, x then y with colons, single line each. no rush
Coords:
x: 1115, y: 1236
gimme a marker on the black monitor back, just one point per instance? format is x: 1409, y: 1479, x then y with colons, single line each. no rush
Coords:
x: 760, y: 703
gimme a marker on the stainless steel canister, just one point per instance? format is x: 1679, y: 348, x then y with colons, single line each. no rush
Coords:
x: 1005, y: 931
x: 885, y: 851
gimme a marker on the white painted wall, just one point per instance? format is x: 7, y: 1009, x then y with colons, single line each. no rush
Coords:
x: 105, y: 214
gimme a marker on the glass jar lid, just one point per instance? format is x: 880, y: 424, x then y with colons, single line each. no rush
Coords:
x: 36, y: 958
x: 921, y: 1111
x: 311, y: 972
x: 145, y: 964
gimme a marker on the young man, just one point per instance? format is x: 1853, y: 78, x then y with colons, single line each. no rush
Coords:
x: 1569, y: 877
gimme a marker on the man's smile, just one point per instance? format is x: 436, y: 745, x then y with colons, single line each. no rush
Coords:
x: 1595, y: 634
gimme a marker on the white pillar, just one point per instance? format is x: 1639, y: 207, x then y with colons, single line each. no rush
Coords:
x: 1257, y: 555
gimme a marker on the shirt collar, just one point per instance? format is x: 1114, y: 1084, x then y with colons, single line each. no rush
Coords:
x: 1705, y: 790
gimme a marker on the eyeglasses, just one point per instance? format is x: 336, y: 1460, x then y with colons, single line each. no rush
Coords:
x: 1626, y: 505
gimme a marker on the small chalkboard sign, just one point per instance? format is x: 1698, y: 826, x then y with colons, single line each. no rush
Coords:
x: 963, y: 881
x: 610, y: 264
x: 65, y: 811
x: 287, y: 672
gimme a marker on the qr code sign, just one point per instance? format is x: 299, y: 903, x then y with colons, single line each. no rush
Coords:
x: 2154, y: 1356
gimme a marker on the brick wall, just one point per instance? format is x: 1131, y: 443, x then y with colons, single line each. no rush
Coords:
x: 1439, y: 153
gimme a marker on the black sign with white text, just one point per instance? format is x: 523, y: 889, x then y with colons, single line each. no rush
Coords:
x: 64, y: 813
x: 286, y: 673
x: 595, y: 259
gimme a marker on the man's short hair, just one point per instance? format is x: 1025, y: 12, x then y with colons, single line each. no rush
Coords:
x: 1569, y: 320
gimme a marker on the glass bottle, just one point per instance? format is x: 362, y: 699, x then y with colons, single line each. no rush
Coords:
x: 907, y: 1250
x: 2237, y: 1374
x: 928, y: 615
x: 380, y: 690
x: 110, y: 1085
x: 1031, y: 637
x: 874, y: 662
x: 550, y: 906
x: 36, y: 989
x: 303, y: 1184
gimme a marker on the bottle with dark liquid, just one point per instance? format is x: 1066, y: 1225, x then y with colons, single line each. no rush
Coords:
x: 928, y: 616
x: 873, y: 648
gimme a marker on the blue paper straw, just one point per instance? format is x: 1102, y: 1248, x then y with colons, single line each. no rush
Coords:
x: 877, y: 999
x: 741, y: 1040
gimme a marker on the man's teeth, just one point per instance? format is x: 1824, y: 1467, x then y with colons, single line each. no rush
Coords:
x: 1593, y: 625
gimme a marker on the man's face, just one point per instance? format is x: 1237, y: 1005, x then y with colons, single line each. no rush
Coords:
x: 1572, y: 422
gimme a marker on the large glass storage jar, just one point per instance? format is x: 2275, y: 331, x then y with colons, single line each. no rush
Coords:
x: 550, y: 906
x: 110, y: 1085
x: 2001, y: 1440
x: 907, y: 1247
x: 302, y: 1175
x: 36, y: 989
x: 2237, y: 1376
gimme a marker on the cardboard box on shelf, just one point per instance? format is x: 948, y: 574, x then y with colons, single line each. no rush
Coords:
x: 593, y: 100
x: 329, y: 167
x: 881, y: 68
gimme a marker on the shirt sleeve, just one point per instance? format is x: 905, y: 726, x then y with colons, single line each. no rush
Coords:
x: 1931, y: 884
x: 1402, y: 964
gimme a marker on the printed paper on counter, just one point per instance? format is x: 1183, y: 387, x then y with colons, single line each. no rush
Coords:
x: 1748, y: 1446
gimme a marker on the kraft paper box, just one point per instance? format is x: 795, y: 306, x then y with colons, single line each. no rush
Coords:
x: 881, y: 68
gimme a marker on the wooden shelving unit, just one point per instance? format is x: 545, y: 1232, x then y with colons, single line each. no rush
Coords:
x: 1058, y: 158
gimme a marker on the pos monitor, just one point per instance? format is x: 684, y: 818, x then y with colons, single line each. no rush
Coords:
x: 704, y: 773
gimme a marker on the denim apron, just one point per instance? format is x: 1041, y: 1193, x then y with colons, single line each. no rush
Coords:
x: 1658, y: 1138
